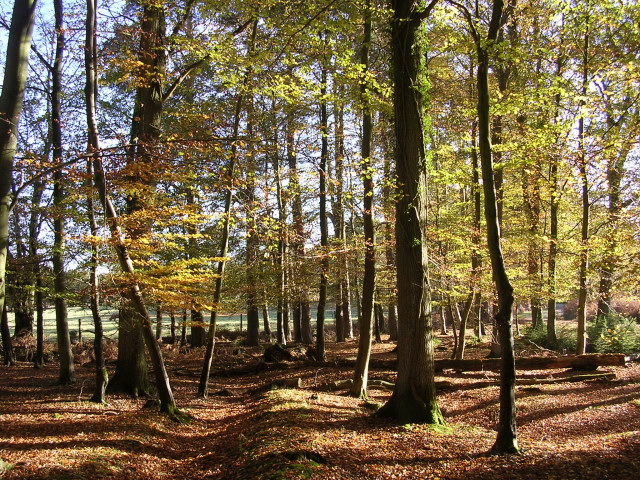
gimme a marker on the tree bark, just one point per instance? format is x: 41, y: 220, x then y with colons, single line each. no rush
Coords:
x: 93, y: 147
x: 361, y: 373
x: 13, y: 85
x: 506, y: 441
x: 8, y: 358
x: 252, y: 239
x: 414, y: 397
x: 66, y: 374
x: 203, y: 385
x: 581, y: 345
x: 302, y: 311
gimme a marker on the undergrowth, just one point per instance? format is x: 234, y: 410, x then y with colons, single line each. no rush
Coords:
x: 565, y: 339
x: 610, y: 334
x: 613, y: 334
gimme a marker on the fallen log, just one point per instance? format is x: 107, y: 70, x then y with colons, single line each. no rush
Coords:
x: 577, y: 362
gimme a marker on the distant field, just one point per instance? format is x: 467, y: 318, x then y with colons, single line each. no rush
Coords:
x: 230, y: 322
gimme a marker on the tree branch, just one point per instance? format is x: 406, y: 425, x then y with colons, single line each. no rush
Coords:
x: 185, y: 73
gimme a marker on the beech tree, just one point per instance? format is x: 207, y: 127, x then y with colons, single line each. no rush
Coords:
x: 15, y: 76
x: 414, y: 397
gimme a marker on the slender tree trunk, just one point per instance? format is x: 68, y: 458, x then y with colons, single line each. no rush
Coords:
x: 35, y: 222
x: 183, y: 329
x: 554, y: 202
x: 158, y: 323
x: 389, y: 219
x: 414, y: 396
x: 282, y: 319
x: 324, y: 229
x: 13, y: 85
x: 506, y: 441
x: 252, y: 239
x: 67, y: 372
x: 581, y: 346
x: 93, y: 147
x: 302, y: 311
x: 173, y: 328
x: 360, y: 375
x: 203, y: 385
x: 464, y: 319
x: 8, y: 358
x: 198, y: 334
x: 133, y: 293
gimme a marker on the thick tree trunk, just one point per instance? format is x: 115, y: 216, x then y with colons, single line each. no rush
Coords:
x: 130, y: 376
x: 198, y: 333
x: 132, y: 292
x: 13, y: 85
x: 414, y: 397
x: 615, y: 172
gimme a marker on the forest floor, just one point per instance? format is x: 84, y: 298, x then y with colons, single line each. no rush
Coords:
x: 245, y: 430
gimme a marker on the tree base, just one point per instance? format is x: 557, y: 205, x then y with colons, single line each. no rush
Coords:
x: 406, y: 409
x: 504, y: 450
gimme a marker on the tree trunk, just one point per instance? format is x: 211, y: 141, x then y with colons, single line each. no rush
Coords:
x: 35, y: 222
x: 183, y: 329
x: 324, y: 229
x: 198, y: 335
x: 133, y: 294
x: 158, y: 323
x: 414, y: 397
x: 461, y: 344
x: 581, y: 345
x: 252, y: 239
x: 8, y: 358
x: 203, y: 385
x: 173, y: 328
x: 506, y: 441
x: 266, y: 321
x: 13, y: 85
x: 93, y: 147
x: 66, y: 372
x: 360, y: 375
x: 130, y: 376
x: 282, y: 319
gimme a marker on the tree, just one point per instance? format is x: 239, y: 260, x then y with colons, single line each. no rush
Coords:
x: 414, y: 396
x: 13, y: 85
x: 66, y: 373
x: 93, y: 147
x: 359, y: 387
x: 506, y: 441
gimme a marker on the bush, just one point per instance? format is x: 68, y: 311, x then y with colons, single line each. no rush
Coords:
x: 613, y: 334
